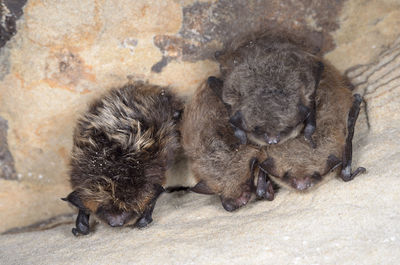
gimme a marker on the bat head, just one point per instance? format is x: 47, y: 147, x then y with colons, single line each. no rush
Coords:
x: 270, y: 89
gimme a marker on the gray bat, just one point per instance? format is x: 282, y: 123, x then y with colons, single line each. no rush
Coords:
x: 295, y: 163
x: 219, y: 163
x: 270, y: 81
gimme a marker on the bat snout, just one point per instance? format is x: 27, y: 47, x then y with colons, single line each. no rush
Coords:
x: 117, y: 220
x: 233, y: 204
x: 302, y: 184
x: 272, y: 139
x: 244, y: 198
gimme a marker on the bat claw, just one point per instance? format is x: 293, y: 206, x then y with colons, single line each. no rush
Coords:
x: 75, y: 232
x: 348, y: 152
x: 310, y: 140
x: 78, y: 232
x: 347, y: 175
x: 144, y: 221
x: 82, y: 224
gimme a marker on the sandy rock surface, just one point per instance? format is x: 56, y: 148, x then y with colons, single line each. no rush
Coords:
x: 66, y: 53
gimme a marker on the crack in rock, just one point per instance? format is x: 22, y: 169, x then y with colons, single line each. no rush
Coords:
x: 7, y: 169
x: 10, y: 12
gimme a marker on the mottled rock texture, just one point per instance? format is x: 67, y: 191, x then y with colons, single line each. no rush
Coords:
x: 366, y: 29
x: 208, y: 26
x: 10, y: 12
x: 66, y: 53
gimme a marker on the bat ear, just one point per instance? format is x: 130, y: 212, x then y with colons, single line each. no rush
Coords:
x: 177, y: 108
x: 177, y: 114
x: 241, y: 135
x: 318, y: 70
x: 238, y: 125
x: 237, y: 120
x: 202, y: 188
x: 216, y: 85
x: 74, y: 199
x: 304, y: 110
x: 253, y: 163
x: 218, y: 54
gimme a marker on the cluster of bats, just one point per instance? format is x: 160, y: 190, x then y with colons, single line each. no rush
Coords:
x: 278, y: 115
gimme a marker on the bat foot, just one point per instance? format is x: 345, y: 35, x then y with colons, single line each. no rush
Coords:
x: 78, y: 232
x: 348, y: 149
x: 307, y: 136
x: 81, y: 223
x: 146, y: 217
x: 265, y: 188
x: 333, y: 162
x: 75, y: 232
x: 347, y: 175
x: 144, y: 221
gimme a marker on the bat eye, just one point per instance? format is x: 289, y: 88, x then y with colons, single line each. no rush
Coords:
x: 304, y: 111
x: 177, y: 114
x: 258, y: 130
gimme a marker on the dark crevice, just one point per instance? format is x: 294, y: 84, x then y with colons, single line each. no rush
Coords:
x: 10, y: 12
x: 53, y: 222
x: 7, y: 169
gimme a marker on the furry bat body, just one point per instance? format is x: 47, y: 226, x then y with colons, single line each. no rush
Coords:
x: 270, y: 81
x: 299, y: 166
x: 122, y: 148
x: 219, y: 163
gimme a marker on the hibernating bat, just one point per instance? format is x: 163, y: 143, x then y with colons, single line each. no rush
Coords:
x: 270, y: 81
x: 295, y: 163
x: 218, y: 162
x: 122, y: 148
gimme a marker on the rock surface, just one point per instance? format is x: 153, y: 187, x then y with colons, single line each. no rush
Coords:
x: 10, y: 12
x: 52, y: 67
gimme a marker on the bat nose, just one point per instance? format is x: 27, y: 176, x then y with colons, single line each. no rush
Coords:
x: 302, y: 184
x: 272, y: 139
x: 229, y: 206
x: 233, y: 204
x: 117, y: 220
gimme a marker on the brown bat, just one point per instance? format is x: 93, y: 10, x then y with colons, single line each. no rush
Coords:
x: 219, y: 163
x: 297, y: 165
x: 270, y: 81
x: 122, y: 148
